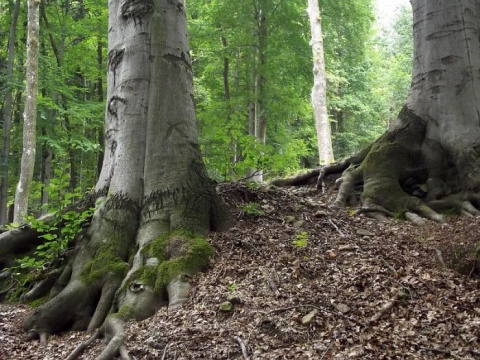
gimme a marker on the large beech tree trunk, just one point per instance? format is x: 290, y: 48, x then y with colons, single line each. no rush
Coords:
x: 154, y: 200
x: 445, y: 89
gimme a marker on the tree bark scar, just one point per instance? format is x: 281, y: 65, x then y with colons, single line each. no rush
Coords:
x: 115, y: 57
x: 178, y: 5
x: 182, y: 58
x: 113, y: 105
x: 136, y: 10
x: 122, y: 201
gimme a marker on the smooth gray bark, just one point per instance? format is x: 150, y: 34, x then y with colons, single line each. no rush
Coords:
x: 429, y: 159
x: 153, y: 181
x: 446, y: 83
x: 29, y: 115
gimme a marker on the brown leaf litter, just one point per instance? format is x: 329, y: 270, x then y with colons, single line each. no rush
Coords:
x: 306, y: 281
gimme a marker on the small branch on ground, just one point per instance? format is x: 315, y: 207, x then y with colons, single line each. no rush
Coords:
x: 390, y: 267
x: 243, y: 347
x: 336, y: 228
x: 440, y: 258
x: 385, y: 308
x: 164, y: 355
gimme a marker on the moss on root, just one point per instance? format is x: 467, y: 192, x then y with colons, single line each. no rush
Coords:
x: 125, y: 313
x: 179, y: 252
x: 388, y: 163
x: 105, y: 261
x: 38, y: 302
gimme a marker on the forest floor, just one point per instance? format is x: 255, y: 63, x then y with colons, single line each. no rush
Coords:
x: 307, y: 282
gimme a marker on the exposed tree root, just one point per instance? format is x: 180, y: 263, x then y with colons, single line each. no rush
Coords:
x: 113, y: 331
x: 83, y: 346
x: 402, y: 174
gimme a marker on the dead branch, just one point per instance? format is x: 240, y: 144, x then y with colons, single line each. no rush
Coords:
x: 390, y: 267
x: 297, y: 180
x: 164, y: 355
x: 440, y: 258
x: 319, y: 309
x: 336, y: 228
x: 385, y: 308
x: 242, y: 346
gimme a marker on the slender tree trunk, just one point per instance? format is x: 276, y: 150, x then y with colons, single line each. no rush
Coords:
x: 58, y: 50
x: 319, y: 90
x: 7, y: 116
x: 100, y: 97
x: 30, y: 114
x: 260, y: 113
x: 226, y: 94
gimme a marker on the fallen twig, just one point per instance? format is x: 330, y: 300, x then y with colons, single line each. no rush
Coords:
x: 327, y: 350
x: 385, y: 308
x: 440, y: 258
x: 336, y: 228
x: 243, y: 347
x: 165, y: 351
x: 319, y: 309
x: 390, y: 267
x: 442, y: 351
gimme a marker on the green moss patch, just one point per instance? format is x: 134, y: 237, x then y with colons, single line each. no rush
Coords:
x: 125, y: 313
x: 105, y: 261
x: 178, y: 253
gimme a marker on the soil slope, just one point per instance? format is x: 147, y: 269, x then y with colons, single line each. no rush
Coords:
x: 307, y: 282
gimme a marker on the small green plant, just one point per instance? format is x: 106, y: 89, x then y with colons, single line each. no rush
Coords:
x: 252, y: 185
x: 301, y: 239
x: 59, y: 231
x: 56, y: 241
x: 232, y: 287
x: 252, y: 208
x: 11, y: 226
x: 352, y: 212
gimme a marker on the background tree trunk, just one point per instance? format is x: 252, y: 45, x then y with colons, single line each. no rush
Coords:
x: 30, y: 114
x: 319, y: 90
x: 7, y: 116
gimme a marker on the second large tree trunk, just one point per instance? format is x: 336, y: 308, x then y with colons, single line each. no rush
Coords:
x: 430, y: 158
